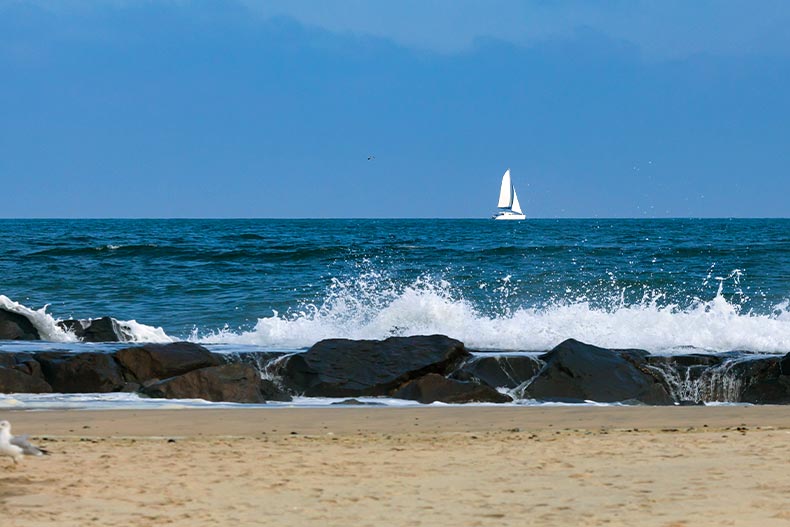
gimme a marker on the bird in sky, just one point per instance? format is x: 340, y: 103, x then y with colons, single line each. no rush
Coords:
x: 371, y: 158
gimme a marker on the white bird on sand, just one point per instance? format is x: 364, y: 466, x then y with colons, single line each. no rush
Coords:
x: 16, y: 447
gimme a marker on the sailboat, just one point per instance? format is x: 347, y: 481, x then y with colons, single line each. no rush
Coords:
x: 509, y: 208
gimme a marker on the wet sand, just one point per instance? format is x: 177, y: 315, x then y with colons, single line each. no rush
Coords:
x: 460, y: 466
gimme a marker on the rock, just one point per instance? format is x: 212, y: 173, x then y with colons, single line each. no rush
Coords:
x: 238, y: 383
x: 434, y: 387
x: 352, y: 368
x: 14, y: 326
x: 272, y: 392
x: 577, y: 372
x: 81, y: 372
x: 508, y: 371
x: 762, y: 381
x: 356, y: 402
x: 103, y: 329
x: 784, y: 365
x: 24, y: 362
x: 15, y: 381
x: 266, y: 362
x: 161, y: 361
x: 696, y: 377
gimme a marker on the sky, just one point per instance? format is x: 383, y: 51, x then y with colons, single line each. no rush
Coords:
x: 242, y: 108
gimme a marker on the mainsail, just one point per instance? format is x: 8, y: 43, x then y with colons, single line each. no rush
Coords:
x: 505, y: 192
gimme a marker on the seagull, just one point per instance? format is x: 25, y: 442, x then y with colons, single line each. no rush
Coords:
x: 370, y: 158
x: 16, y: 447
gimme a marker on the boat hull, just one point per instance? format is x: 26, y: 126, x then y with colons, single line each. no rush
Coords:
x: 509, y: 216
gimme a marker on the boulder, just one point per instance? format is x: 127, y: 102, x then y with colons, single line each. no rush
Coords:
x: 105, y: 329
x: 352, y: 368
x: 266, y: 362
x: 24, y: 362
x: 499, y: 371
x: 81, y: 372
x: 14, y: 326
x: 15, y: 381
x: 238, y: 383
x: 356, y: 402
x: 434, y: 387
x: 697, y: 377
x: 272, y: 392
x: 161, y: 361
x: 762, y: 380
x: 576, y: 372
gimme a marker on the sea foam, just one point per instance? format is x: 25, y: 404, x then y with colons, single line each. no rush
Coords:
x: 49, y: 330
x: 371, y: 307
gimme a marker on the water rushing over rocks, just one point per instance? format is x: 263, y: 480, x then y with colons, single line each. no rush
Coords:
x: 421, y: 368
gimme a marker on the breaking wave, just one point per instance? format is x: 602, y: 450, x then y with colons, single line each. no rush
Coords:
x: 373, y: 307
x: 48, y: 328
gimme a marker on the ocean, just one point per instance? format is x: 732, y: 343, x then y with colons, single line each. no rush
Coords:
x: 664, y: 285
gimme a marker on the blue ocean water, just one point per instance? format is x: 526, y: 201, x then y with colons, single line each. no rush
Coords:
x: 660, y: 285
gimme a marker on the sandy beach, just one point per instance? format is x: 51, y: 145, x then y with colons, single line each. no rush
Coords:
x: 413, y: 466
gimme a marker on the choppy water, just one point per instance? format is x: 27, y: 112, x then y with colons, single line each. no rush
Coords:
x: 661, y: 285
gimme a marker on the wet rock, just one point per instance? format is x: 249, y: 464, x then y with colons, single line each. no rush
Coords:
x: 238, y: 383
x: 352, y: 368
x: 14, y: 326
x: 272, y: 392
x: 105, y: 329
x: 499, y: 371
x: 763, y: 381
x: 161, y: 361
x: 356, y: 402
x: 434, y: 387
x: 81, y: 372
x: 577, y: 372
x: 16, y: 381
x: 784, y: 365
x: 24, y: 362
x: 266, y: 362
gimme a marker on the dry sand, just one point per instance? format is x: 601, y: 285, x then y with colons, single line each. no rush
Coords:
x: 459, y: 466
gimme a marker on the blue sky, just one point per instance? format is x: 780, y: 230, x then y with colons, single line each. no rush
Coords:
x: 133, y: 108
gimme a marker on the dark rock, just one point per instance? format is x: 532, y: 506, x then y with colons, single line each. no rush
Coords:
x: 15, y: 381
x: 687, y: 361
x: 356, y: 402
x: 14, y: 326
x: 351, y: 368
x: 762, y: 381
x: 266, y: 362
x: 24, y: 362
x: 434, y: 387
x: 103, y: 329
x: 784, y: 365
x: 161, y: 361
x: 499, y: 371
x: 238, y: 383
x: 81, y: 372
x: 578, y: 372
x: 272, y: 392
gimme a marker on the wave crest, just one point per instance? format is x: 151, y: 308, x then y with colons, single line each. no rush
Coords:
x: 374, y: 307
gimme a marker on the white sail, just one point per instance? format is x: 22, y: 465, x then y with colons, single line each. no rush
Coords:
x: 516, y: 206
x: 505, y: 195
